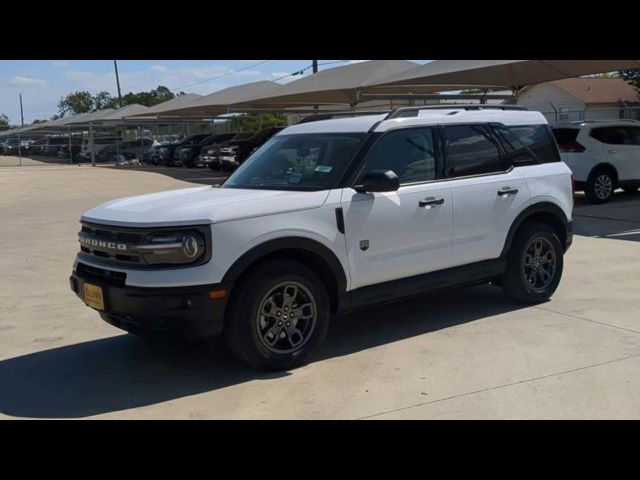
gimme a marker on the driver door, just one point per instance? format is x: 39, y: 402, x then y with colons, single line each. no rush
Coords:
x: 392, y: 235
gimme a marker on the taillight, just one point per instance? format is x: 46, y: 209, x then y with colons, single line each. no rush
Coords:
x: 572, y: 147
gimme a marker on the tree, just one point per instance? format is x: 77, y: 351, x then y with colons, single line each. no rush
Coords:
x: 75, y: 103
x: 247, y: 123
x: 4, y: 120
x: 102, y: 100
x: 632, y: 77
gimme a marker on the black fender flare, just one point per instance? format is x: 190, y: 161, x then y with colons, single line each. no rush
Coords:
x: 288, y: 243
x: 542, y: 207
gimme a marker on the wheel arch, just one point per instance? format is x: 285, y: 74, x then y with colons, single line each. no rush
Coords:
x: 304, y: 250
x: 545, y: 212
x: 604, y: 166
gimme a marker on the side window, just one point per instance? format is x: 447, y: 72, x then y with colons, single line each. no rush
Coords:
x: 410, y: 153
x: 539, y: 139
x: 634, y: 133
x: 612, y: 135
x: 471, y: 150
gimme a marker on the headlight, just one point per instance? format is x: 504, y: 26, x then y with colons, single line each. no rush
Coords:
x: 175, y: 248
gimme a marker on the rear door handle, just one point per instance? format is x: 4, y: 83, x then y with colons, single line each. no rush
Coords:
x: 430, y: 202
x: 507, y: 191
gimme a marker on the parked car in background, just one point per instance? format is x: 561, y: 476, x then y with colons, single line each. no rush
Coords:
x: 12, y: 146
x: 167, y: 151
x: 6, y: 149
x: 189, y: 155
x: 602, y: 155
x: 127, y: 147
x: 234, y: 152
x: 38, y: 146
x: 76, y: 147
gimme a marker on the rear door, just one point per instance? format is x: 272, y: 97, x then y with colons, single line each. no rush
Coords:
x: 620, y: 149
x: 487, y: 192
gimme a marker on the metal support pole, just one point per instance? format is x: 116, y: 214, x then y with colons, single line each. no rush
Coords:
x: 93, y: 145
x: 19, y: 148
x: 315, y: 70
x: 141, y: 130
x: 70, y: 151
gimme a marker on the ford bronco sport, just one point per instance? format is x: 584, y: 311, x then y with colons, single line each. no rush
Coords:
x: 333, y: 215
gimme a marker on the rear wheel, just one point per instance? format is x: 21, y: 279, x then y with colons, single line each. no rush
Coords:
x: 534, y: 265
x: 600, y: 186
x: 278, y: 316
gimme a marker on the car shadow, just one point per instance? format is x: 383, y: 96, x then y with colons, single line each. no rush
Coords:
x: 124, y: 372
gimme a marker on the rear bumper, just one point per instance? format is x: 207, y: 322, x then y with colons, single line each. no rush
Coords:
x: 184, y: 311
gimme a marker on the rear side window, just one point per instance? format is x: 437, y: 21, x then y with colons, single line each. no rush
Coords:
x: 617, y: 135
x: 471, y: 150
x: 539, y: 140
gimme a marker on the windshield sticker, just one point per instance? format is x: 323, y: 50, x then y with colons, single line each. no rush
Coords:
x: 323, y: 168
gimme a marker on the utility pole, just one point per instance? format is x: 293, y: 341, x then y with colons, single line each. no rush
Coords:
x: 115, y: 64
x: 21, y: 112
x: 314, y: 64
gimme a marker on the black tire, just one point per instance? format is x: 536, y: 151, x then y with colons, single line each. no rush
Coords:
x: 514, y: 281
x: 600, y: 186
x: 243, y: 321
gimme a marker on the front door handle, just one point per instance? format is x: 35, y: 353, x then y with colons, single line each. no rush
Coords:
x: 503, y: 192
x: 430, y: 202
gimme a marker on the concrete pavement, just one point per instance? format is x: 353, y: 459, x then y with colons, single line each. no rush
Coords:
x: 463, y: 354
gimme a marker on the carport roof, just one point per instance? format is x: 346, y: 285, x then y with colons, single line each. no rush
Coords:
x: 334, y: 86
x: 169, y: 105
x: 441, y: 75
x: 220, y: 102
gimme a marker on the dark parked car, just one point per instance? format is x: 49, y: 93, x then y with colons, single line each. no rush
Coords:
x: 133, y: 147
x: 7, y: 149
x: 167, y: 151
x: 234, y: 152
x: 189, y: 155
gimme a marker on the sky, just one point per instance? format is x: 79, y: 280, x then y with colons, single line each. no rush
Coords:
x: 43, y: 82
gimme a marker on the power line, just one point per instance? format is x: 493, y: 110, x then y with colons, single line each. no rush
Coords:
x: 223, y: 75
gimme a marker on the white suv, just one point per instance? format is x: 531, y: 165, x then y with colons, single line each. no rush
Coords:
x: 333, y: 215
x: 602, y: 155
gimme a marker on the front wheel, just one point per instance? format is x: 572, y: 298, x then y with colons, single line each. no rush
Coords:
x: 278, y: 315
x: 534, y: 264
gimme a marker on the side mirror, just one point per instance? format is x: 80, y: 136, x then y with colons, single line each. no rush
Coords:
x: 378, y: 181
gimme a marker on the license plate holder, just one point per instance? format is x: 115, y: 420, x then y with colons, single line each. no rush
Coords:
x: 93, y: 296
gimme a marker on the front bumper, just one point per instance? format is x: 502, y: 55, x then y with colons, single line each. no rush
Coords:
x: 185, y: 311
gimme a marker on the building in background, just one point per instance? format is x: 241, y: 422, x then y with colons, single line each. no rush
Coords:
x: 575, y: 99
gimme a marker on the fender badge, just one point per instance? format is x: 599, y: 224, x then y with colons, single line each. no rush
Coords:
x: 364, y: 245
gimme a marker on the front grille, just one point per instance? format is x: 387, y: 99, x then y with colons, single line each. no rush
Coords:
x: 110, y: 277
x: 104, y: 238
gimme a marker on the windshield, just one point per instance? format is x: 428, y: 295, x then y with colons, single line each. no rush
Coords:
x: 297, y: 162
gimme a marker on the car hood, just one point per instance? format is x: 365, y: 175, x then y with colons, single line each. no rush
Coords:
x: 200, y: 205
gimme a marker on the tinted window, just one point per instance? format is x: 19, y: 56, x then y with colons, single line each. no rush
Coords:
x: 565, y: 136
x: 471, y: 150
x: 634, y: 133
x: 409, y: 153
x: 539, y: 140
x: 614, y: 135
x: 297, y: 162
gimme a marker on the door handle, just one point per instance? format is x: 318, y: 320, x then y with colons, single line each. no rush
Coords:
x: 612, y: 151
x: 430, y: 202
x: 503, y: 192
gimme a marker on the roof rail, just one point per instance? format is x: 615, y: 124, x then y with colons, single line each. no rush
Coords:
x: 413, y: 111
x: 329, y: 116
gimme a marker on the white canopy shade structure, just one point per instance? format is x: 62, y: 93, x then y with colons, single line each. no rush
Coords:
x: 220, y: 102
x: 153, y: 113
x: 443, y: 75
x: 333, y: 86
